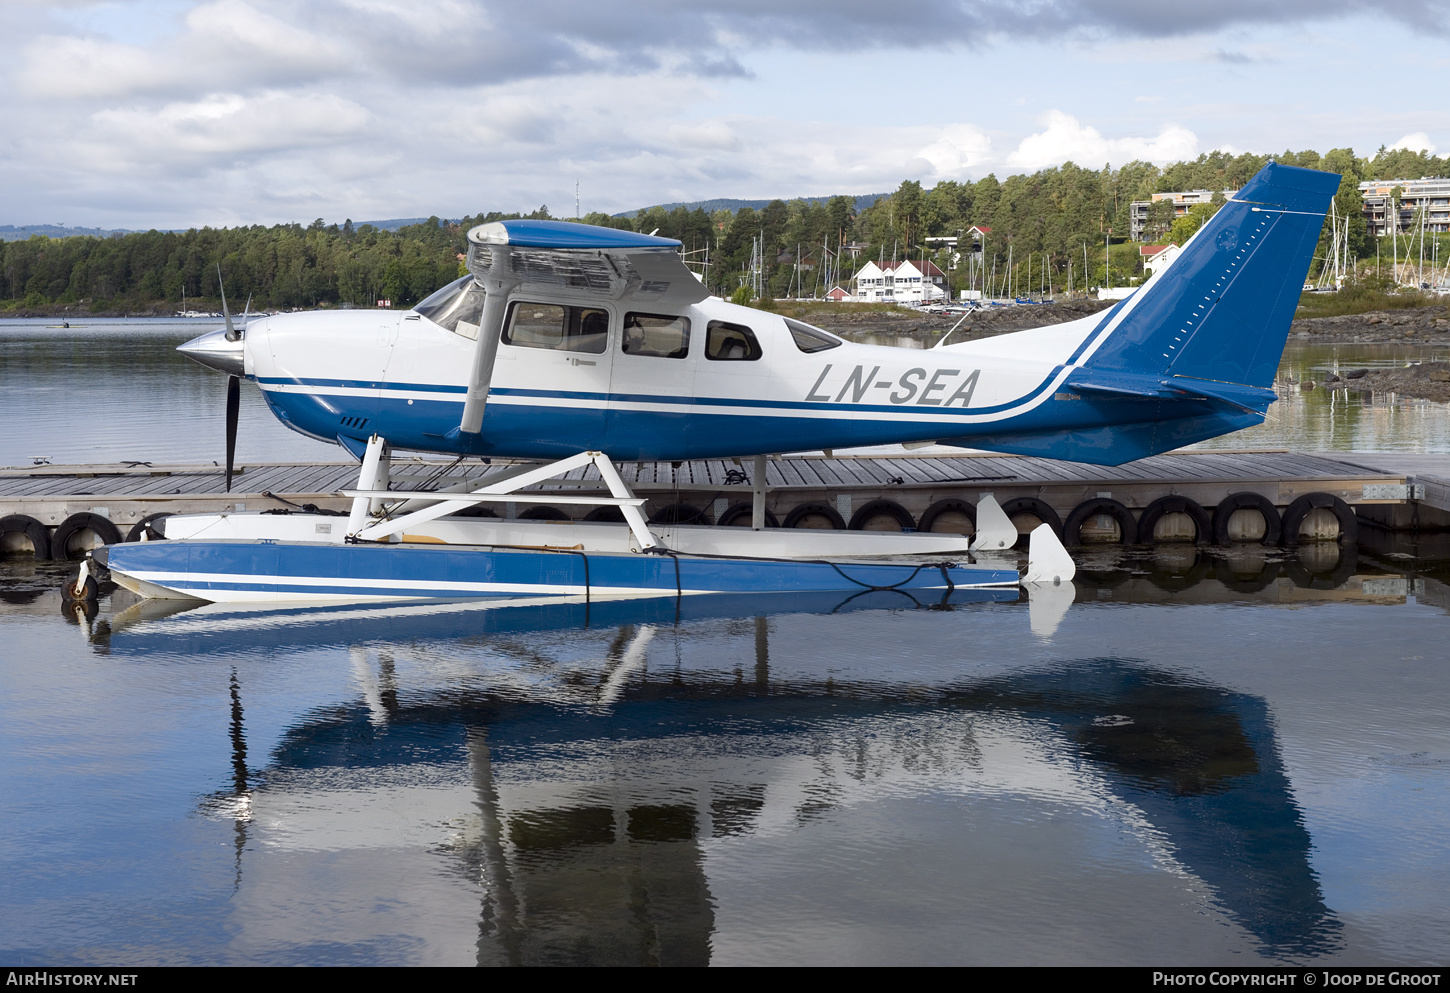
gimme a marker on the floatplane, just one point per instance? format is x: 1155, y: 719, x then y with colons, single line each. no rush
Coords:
x: 569, y: 347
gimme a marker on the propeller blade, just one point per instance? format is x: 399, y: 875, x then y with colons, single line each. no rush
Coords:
x: 234, y: 406
x: 247, y: 314
x: 221, y: 285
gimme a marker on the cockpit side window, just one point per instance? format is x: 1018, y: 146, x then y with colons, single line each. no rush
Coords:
x: 457, y: 307
x: 658, y: 335
x: 808, y: 338
x: 566, y: 329
x: 730, y: 343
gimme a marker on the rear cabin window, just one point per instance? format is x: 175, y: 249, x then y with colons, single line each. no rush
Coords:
x: 660, y: 336
x: 810, y: 339
x: 565, y: 329
x: 730, y: 343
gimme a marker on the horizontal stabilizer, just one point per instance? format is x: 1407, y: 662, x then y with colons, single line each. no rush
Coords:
x: 1252, y: 398
x: 1121, y: 384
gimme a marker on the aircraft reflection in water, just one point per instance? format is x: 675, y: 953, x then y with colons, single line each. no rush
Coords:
x: 585, y: 775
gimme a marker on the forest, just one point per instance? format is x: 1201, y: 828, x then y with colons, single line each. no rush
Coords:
x: 1055, y: 216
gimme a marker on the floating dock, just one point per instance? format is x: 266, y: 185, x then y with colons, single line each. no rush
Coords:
x: 1197, y: 496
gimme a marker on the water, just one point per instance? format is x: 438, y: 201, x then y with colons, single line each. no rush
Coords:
x: 1209, y: 758
x: 1181, y: 772
x: 119, y: 391
x: 115, y: 391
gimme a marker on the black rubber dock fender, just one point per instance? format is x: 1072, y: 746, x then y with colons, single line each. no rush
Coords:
x: 741, y: 514
x: 1174, y: 504
x: 37, y: 532
x: 1072, y: 527
x: 942, y: 508
x: 1038, y: 509
x: 1295, y: 513
x: 820, y: 511
x: 1246, y: 501
x: 76, y: 523
x: 882, y: 508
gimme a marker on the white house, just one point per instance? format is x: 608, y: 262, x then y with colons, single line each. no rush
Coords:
x: 1156, y: 256
x: 909, y: 283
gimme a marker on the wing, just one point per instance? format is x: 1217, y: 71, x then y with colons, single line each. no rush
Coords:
x: 616, y: 264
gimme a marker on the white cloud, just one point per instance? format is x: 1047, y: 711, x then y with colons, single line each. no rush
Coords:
x: 69, y: 68
x: 259, y: 111
x: 222, y: 125
x: 959, y: 148
x: 1416, y: 142
x: 239, y: 25
x: 1066, y: 139
x: 707, y: 135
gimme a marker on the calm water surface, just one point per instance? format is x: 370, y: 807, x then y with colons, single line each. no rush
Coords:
x: 1192, y: 758
x: 1202, y: 763
x: 119, y: 390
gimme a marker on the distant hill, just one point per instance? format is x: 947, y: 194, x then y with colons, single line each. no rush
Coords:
x: 19, y: 232
x: 393, y: 225
x: 11, y: 232
x: 709, y: 206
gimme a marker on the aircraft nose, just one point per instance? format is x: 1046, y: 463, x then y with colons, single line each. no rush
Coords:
x: 214, y: 351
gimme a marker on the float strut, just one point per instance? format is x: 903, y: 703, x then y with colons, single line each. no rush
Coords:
x: 757, y: 486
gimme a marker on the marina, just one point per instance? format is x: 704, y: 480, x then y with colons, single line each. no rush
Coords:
x: 651, y: 494
x: 1201, y: 754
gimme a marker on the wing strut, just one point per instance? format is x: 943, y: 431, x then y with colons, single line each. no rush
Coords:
x: 497, y: 284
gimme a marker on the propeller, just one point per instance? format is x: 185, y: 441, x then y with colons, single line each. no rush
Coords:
x: 234, y: 383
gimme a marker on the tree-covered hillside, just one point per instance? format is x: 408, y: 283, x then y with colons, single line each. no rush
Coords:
x: 1049, y: 215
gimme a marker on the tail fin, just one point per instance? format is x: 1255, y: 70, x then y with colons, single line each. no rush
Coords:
x: 1221, y: 310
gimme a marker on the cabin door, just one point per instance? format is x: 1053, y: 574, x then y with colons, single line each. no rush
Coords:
x: 652, y: 385
x: 551, y: 379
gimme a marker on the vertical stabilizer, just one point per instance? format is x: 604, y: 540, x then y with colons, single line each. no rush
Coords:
x: 1221, y: 310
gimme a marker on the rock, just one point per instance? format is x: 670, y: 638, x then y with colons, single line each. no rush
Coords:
x: 1332, y: 378
x: 1356, y: 374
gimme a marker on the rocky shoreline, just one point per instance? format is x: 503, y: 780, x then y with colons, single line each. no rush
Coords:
x: 1424, y: 324
x: 1421, y: 324
x: 1423, y: 380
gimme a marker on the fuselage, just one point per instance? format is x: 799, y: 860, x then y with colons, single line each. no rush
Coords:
x: 346, y: 375
x: 567, y: 338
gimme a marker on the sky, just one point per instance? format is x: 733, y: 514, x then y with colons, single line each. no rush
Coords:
x: 179, y: 113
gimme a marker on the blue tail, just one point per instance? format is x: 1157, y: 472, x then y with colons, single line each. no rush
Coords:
x: 1192, y: 354
x: 1220, y: 313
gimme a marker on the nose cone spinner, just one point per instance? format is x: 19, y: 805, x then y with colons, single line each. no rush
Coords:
x: 214, y: 351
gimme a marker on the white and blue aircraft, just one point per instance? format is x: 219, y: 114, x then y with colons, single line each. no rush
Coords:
x: 583, y: 345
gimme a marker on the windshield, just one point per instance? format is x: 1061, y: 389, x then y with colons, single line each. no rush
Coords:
x: 457, y: 307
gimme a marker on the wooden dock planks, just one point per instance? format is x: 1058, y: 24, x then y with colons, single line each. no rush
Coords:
x: 126, y: 493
